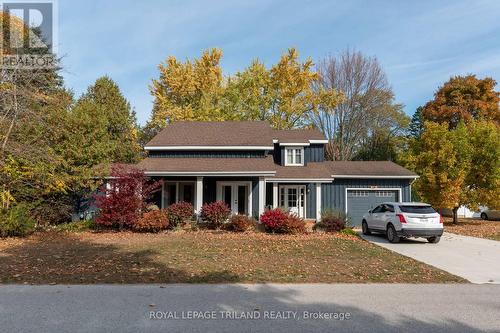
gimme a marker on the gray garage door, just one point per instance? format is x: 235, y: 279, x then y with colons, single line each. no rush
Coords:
x: 360, y: 201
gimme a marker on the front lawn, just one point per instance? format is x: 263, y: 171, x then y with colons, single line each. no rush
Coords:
x: 474, y: 227
x: 206, y: 257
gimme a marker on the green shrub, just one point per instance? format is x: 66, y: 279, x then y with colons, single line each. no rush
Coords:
x: 77, y: 226
x: 239, y: 223
x: 348, y: 231
x: 16, y: 221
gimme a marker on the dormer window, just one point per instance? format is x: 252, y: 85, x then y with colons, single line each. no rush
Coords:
x: 294, y: 156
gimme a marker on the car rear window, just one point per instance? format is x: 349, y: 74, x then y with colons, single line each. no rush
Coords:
x: 417, y: 209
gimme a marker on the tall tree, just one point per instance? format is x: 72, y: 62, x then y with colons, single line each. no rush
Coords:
x: 188, y: 91
x: 459, y: 166
x: 104, y: 100
x: 483, y: 180
x: 368, y: 101
x: 282, y: 95
x: 464, y: 98
x: 443, y: 163
x: 293, y: 99
x: 416, y: 126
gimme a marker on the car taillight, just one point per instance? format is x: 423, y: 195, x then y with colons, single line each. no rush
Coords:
x: 401, y: 218
x: 440, y: 219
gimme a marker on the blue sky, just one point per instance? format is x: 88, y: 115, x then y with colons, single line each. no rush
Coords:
x: 420, y: 44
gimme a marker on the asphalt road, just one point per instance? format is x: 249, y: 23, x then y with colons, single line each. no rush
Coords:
x: 277, y: 308
x: 474, y: 259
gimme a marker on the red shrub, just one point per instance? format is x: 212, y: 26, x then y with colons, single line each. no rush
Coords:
x: 239, y: 223
x: 179, y: 212
x: 215, y: 213
x: 273, y: 219
x: 278, y: 221
x: 293, y: 225
x: 152, y: 221
x: 124, y: 198
x: 332, y: 221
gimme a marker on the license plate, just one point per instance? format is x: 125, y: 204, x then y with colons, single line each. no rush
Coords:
x: 424, y: 220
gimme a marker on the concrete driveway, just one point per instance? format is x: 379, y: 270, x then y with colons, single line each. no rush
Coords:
x: 474, y: 259
x: 288, y: 308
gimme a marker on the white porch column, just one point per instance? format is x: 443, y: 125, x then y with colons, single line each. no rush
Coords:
x: 262, y: 195
x: 275, y: 195
x: 318, y: 202
x: 199, y: 195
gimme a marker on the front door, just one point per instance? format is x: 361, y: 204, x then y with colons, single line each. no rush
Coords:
x: 236, y: 196
x: 292, y: 199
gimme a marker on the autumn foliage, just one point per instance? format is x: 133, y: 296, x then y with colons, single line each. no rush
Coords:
x: 464, y: 98
x: 179, y: 212
x: 124, y: 197
x: 152, y: 221
x: 278, y: 221
x: 239, y: 223
x: 215, y: 213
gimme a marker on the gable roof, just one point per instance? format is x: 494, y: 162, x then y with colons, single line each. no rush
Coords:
x: 249, y: 134
x: 211, y: 133
x: 298, y: 135
x: 366, y: 169
x: 208, y: 165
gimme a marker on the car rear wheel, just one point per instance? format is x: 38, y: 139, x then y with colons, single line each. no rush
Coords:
x: 392, y: 236
x: 365, y: 229
x: 484, y: 216
x: 434, y: 239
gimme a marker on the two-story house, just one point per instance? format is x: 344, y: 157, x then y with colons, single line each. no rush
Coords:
x: 251, y: 167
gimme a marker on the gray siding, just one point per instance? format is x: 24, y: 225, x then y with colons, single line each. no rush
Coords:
x: 312, y: 153
x: 311, y: 201
x: 333, y: 194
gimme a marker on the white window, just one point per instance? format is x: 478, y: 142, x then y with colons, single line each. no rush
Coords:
x: 359, y: 193
x: 294, y: 156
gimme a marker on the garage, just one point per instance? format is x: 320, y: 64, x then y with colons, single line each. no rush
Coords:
x: 359, y: 201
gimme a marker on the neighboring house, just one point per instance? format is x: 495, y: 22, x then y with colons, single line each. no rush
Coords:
x: 251, y: 167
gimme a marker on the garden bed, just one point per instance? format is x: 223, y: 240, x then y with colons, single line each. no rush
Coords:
x: 204, y: 257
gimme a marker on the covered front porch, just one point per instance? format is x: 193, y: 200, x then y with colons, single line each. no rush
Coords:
x: 243, y: 195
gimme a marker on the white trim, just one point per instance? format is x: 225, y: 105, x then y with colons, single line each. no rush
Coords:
x: 400, y: 192
x: 294, y: 144
x: 199, y: 195
x: 299, y: 206
x: 299, y: 180
x: 206, y: 173
x: 262, y: 195
x: 294, y: 156
x: 177, y: 184
x: 162, y: 195
x: 318, y: 202
x: 324, y: 141
x: 209, y: 148
x: 275, y: 195
x: 374, y: 177
x: 218, y: 186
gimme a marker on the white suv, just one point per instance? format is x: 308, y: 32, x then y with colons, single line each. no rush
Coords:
x: 404, y: 219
